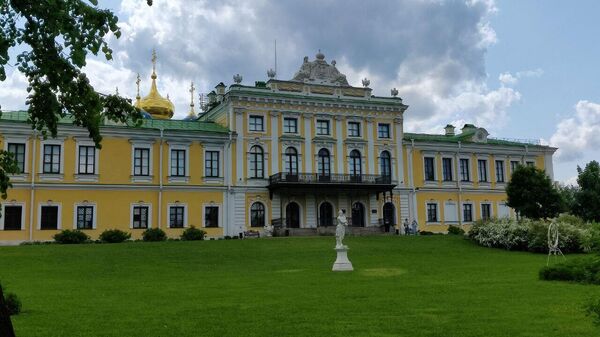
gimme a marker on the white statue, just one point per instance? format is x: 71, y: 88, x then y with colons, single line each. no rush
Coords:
x: 340, y: 230
x: 553, y: 241
x: 268, y: 230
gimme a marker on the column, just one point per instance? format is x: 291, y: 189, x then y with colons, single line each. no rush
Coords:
x: 399, y: 132
x: 276, y: 206
x: 373, y: 206
x: 239, y: 145
x: 274, y: 157
x: 341, y: 156
x: 311, y: 215
x: 372, y: 158
x: 308, y: 159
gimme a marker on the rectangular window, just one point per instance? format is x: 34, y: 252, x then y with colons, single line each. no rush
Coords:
x: 447, y: 169
x: 482, y: 167
x: 87, y: 160
x: 49, y: 217
x: 257, y: 123
x: 353, y: 129
x: 486, y: 211
x: 140, y: 216
x: 432, y: 212
x: 429, y: 169
x: 323, y: 127
x: 177, y: 163
x: 211, y: 216
x: 85, y: 217
x: 290, y: 125
x: 176, y: 216
x: 383, y: 131
x: 530, y: 163
x: 18, y: 151
x: 51, y: 158
x: 468, y: 213
x: 513, y: 166
x: 141, y: 162
x: 211, y: 164
x: 12, y: 218
x: 500, y: 171
x: 464, y: 170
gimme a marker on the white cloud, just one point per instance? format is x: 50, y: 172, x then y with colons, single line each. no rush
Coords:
x: 578, y: 133
x: 509, y: 79
x: 13, y: 91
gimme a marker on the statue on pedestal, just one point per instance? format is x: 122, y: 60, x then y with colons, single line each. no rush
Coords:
x: 342, y: 263
x: 340, y: 229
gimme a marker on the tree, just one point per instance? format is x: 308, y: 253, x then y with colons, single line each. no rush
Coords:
x: 531, y: 193
x: 56, y: 37
x: 587, y: 199
x: 568, y: 194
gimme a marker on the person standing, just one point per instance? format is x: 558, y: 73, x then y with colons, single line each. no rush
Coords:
x: 406, y: 229
x: 414, y: 226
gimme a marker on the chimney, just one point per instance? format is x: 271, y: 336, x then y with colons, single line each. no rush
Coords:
x: 449, y: 130
x: 220, y: 91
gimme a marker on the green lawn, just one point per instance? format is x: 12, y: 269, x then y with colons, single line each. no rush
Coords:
x: 401, y: 286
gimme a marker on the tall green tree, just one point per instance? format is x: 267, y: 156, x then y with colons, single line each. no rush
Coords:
x: 50, y: 40
x: 587, y: 199
x: 531, y: 193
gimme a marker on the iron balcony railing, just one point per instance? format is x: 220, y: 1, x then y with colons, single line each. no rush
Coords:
x: 315, y: 178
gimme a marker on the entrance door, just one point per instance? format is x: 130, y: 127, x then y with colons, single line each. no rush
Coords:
x: 325, y: 214
x: 292, y: 215
x: 358, y: 215
x: 388, y: 215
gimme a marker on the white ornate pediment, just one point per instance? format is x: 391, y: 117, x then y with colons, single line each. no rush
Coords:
x: 320, y: 72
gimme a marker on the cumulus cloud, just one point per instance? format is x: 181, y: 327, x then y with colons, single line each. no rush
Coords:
x: 577, y: 133
x: 509, y: 79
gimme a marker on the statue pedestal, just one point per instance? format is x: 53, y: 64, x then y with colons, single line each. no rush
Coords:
x: 341, y: 262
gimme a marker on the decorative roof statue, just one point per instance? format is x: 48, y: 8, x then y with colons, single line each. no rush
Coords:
x: 271, y: 73
x: 394, y: 92
x: 237, y: 78
x: 365, y: 82
x: 320, y: 72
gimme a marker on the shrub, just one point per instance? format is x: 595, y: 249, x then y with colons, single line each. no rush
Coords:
x: 114, y: 236
x: 192, y: 234
x: 455, y: 230
x: 592, y: 308
x: 500, y: 233
x: 13, y: 304
x: 583, y: 270
x: 69, y: 236
x: 154, y: 234
x: 571, y: 239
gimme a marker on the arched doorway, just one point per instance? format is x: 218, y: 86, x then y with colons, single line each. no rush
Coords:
x: 325, y: 214
x: 358, y: 215
x: 292, y: 215
x: 389, y: 215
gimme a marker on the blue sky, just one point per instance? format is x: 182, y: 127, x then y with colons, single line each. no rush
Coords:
x: 521, y: 69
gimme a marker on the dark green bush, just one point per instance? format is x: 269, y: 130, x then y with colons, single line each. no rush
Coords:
x: 69, y: 236
x: 193, y: 234
x: 114, y: 236
x: 427, y: 233
x: 154, y: 234
x: 455, y: 230
x: 582, y: 270
x: 13, y: 304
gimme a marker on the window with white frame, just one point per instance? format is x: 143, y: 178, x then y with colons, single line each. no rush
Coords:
x: 324, y: 163
x: 514, y: 164
x: 530, y: 163
x: 84, y: 216
x: 49, y: 217
x: 257, y: 162
x: 500, y: 171
x: 486, y: 211
x: 178, y: 162
x: 12, y: 217
x: 291, y: 161
x: 211, y: 216
x: 290, y: 125
x: 140, y: 216
x: 257, y: 215
x: 432, y: 212
x: 256, y: 123
x: 468, y: 212
x: 353, y: 129
x: 211, y: 164
x: 176, y: 216
x: 503, y: 210
x: 450, y: 212
x: 323, y: 127
x: 482, y: 169
x: 429, y: 170
x: 447, y: 169
x: 51, y: 158
x: 464, y: 170
x: 141, y: 161
x: 87, y: 160
x: 18, y: 152
x: 385, y: 164
x: 383, y: 130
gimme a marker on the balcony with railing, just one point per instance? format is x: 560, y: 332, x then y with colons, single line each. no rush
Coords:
x: 318, y: 183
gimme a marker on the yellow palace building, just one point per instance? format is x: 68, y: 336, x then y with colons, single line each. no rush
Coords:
x: 282, y: 154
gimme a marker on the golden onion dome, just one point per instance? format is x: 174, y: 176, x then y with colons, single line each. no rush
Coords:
x: 156, y: 105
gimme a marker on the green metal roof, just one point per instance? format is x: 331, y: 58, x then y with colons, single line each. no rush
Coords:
x: 165, y: 124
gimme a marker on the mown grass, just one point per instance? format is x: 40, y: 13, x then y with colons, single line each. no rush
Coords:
x: 401, y: 286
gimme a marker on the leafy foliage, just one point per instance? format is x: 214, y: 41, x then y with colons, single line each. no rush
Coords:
x: 114, y: 236
x: 582, y: 270
x: 587, y: 199
x: 592, y: 308
x: 69, y: 236
x: 455, y: 230
x: 154, y: 234
x: 13, y: 304
x: 531, y: 193
x: 193, y: 234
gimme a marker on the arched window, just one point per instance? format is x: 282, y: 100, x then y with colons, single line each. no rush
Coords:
x: 355, y: 163
x: 291, y: 161
x: 326, y: 214
x: 257, y: 215
x: 257, y: 162
x: 385, y: 164
x: 324, y: 164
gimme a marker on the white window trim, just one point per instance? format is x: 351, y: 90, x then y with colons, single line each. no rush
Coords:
x: 185, y: 214
x: 462, y: 212
x: 143, y: 204
x: 142, y: 145
x: 15, y: 203
x: 360, y: 129
x: 257, y: 114
x: 19, y: 140
x: 470, y: 171
x: 95, y: 210
x: 498, y: 208
x: 363, y: 167
x: 52, y: 176
x: 186, y: 177
x: 437, y: 210
x: 249, y: 178
x: 283, y: 126
x: 392, y: 163
x: 249, y: 223
x: 298, y: 149
x: 391, y: 136
x: 39, y: 214
x: 220, y: 207
x: 491, y: 208
x: 87, y: 177
x: 457, y: 209
x: 500, y: 183
x: 435, y: 173
x: 330, y: 127
x: 452, y: 167
x: 220, y: 177
x: 487, y: 168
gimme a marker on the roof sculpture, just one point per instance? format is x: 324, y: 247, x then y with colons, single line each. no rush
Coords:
x: 320, y: 72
